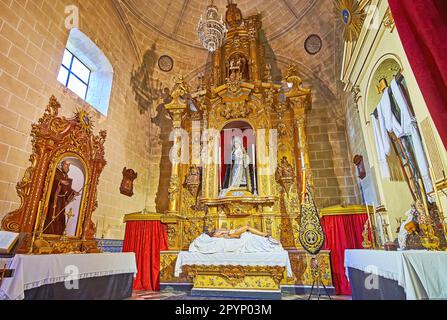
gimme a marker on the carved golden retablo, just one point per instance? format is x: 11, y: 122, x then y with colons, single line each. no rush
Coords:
x: 240, y: 110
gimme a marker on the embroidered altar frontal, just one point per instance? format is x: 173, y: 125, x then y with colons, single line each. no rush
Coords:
x: 236, y: 281
x: 256, y: 278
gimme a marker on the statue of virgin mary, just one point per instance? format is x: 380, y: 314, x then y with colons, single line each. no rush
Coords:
x: 239, y: 174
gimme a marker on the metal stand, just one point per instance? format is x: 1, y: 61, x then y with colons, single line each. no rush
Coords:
x: 316, y: 275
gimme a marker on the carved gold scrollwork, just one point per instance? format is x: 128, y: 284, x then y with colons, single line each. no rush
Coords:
x: 233, y: 274
x: 193, y: 180
x: 388, y: 20
x: 293, y: 77
x: 54, y: 137
x: 191, y: 230
x: 173, y: 188
x: 172, y: 235
x: 285, y: 174
x: 236, y: 110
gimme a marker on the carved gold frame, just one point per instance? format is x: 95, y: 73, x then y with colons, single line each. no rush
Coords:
x: 54, y: 138
x: 40, y: 223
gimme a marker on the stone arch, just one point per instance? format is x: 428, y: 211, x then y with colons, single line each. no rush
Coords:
x: 386, y: 67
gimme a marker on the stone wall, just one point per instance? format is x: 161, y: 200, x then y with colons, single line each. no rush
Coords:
x: 357, y: 146
x: 32, y: 41
x: 330, y: 157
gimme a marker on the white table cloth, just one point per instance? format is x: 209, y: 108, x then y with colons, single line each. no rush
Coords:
x: 33, y: 271
x: 234, y: 259
x: 422, y: 274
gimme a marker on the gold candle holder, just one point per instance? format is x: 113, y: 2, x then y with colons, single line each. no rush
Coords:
x: 366, y: 244
x: 438, y: 202
x: 371, y: 244
x: 429, y: 240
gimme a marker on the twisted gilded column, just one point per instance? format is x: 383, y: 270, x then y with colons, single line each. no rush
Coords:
x: 176, y: 109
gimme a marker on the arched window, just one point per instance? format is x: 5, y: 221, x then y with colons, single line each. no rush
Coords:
x: 86, y: 71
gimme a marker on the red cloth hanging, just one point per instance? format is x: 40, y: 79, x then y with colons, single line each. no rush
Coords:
x: 342, y: 232
x: 146, y: 239
x: 422, y: 28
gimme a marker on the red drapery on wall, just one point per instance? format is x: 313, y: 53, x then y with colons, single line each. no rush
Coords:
x: 342, y: 232
x: 146, y: 239
x: 422, y: 28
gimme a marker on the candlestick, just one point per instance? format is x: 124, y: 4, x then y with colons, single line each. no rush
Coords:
x: 220, y: 167
x: 255, y: 183
x: 374, y: 226
x: 103, y: 225
x: 369, y: 217
x: 429, y: 240
x: 385, y: 226
x: 375, y: 229
x: 369, y: 223
x: 304, y: 186
x: 253, y: 154
x: 424, y: 198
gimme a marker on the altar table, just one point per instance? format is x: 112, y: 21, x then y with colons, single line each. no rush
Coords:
x: 411, y: 275
x: 98, y: 276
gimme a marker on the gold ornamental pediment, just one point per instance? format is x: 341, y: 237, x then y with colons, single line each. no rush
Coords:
x: 240, y: 206
x: 230, y: 92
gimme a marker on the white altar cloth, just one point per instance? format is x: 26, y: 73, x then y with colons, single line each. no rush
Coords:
x: 279, y: 258
x: 33, y: 271
x: 422, y: 274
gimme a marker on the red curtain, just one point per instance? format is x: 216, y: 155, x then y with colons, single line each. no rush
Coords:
x: 342, y: 232
x: 422, y: 27
x: 146, y: 239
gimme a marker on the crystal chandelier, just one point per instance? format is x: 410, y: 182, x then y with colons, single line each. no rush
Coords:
x: 211, y: 31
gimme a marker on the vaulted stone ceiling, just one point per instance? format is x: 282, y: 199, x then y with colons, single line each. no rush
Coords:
x: 169, y: 27
x: 177, y: 19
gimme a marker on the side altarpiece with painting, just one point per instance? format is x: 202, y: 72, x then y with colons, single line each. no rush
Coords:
x: 59, y: 189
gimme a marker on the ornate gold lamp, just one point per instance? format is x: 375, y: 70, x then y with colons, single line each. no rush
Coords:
x: 429, y: 239
x: 211, y: 31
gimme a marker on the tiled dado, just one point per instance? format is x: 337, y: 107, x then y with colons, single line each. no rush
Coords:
x: 110, y: 245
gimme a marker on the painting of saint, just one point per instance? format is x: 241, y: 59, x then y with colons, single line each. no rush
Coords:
x: 62, y: 194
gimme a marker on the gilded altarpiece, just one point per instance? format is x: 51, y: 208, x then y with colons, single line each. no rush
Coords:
x: 239, y: 93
